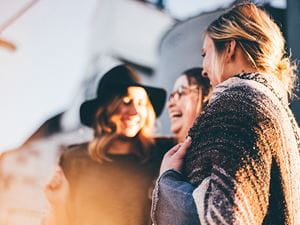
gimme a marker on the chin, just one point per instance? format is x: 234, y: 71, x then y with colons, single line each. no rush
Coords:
x: 131, y: 134
x: 175, y: 129
x: 179, y: 138
x: 177, y: 135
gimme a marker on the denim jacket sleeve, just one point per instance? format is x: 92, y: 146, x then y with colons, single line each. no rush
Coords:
x: 173, y: 201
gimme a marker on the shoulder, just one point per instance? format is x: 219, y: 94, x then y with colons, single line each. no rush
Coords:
x: 237, y: 89
x: 237, y: 104
x: 77, y: 146
x: 74, y: 151
x: 161, y: 146
x: 252, y: 87
x: 164, y: 143
x: 248, y: 96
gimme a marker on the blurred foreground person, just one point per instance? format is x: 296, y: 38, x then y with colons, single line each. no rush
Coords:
x: 109, y: 180
x: 190, y: 95
x: 243, y: 164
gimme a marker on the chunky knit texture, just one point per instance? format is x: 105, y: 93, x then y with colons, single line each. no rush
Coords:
x: 244, y: 156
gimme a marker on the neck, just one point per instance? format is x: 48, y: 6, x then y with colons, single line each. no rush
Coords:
x: 122, y: 146
x: 236, y: 65
x: 238, y: 71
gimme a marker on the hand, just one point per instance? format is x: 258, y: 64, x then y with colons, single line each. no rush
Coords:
x: 173, y: 159
x: 57, y: 189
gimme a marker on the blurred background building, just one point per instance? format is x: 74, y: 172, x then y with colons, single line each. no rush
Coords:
x: 52, y: 54
x: 63, y: 46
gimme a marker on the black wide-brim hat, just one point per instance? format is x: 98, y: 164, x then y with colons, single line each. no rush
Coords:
x: 115, y: 83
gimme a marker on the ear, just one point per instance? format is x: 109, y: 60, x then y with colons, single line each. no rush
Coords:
x: 230, y: 51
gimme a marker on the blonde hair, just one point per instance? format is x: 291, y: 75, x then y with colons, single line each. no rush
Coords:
x: 105, y: 131
x: 259, y: 38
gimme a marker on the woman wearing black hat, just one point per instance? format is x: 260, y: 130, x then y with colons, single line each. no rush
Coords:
x: 108, y: 180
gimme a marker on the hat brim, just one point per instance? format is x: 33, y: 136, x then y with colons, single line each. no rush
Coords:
x: 157, y: 98
x: 88, y: 110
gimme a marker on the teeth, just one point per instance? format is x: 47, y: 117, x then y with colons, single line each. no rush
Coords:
x: 132, y: 122
x: 176, y: 114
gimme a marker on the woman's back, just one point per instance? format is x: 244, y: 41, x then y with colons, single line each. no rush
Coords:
x: 250, y: 162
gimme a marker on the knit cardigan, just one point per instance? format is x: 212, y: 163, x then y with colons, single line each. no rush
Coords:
x: 244, y: 157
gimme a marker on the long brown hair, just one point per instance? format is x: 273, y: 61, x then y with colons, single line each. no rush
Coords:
x: 105, y: 131
x: 259, y: 38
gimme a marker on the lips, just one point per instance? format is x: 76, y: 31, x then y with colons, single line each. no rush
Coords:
x: 175, y: 114
x: 132, y: 121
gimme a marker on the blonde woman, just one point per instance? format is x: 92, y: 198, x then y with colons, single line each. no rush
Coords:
x: 108, y: 180
x: 243, y: 163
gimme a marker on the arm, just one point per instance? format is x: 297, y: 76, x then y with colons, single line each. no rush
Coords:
x: 56, y: 192
x: 172, y: 197
x: 173, y: 201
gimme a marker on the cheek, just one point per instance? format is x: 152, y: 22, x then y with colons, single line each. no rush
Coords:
x: 190, y: 108
x: 182, y: 103
x: 143, y: 113
x: 204, y: 63
x: 120, y: 112
x: 116, y: 119
x: 168, y: 105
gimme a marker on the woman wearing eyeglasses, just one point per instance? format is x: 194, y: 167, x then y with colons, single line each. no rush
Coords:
x: 189, y: 96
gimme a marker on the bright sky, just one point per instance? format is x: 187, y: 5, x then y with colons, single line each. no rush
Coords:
x: 41, y: 77
x: 184, y: 9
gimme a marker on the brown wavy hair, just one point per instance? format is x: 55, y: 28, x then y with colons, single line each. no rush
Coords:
x: 194, y: 76
x: 105, y: 131
x: 260, y: 39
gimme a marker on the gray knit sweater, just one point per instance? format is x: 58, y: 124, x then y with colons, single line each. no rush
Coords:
x: 245, y: 155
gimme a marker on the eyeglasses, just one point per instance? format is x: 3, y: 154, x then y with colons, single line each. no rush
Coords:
x: 182, y: 91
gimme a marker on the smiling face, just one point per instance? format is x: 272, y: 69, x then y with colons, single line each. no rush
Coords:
x: 131, y: 114
x: 183, y: 106
x: 211, y: 62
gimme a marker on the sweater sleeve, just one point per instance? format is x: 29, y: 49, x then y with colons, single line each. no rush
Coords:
x: 173, y: 201
x: 230, y: 159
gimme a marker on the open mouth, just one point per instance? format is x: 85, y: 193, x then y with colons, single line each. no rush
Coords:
x: 175, y: 115
x: 132, y: 122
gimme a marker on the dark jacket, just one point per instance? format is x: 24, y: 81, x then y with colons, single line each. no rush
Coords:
x: 244, y: 158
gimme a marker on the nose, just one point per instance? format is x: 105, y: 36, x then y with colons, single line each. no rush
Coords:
x: 171, y: 102
x: 132, y: 110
